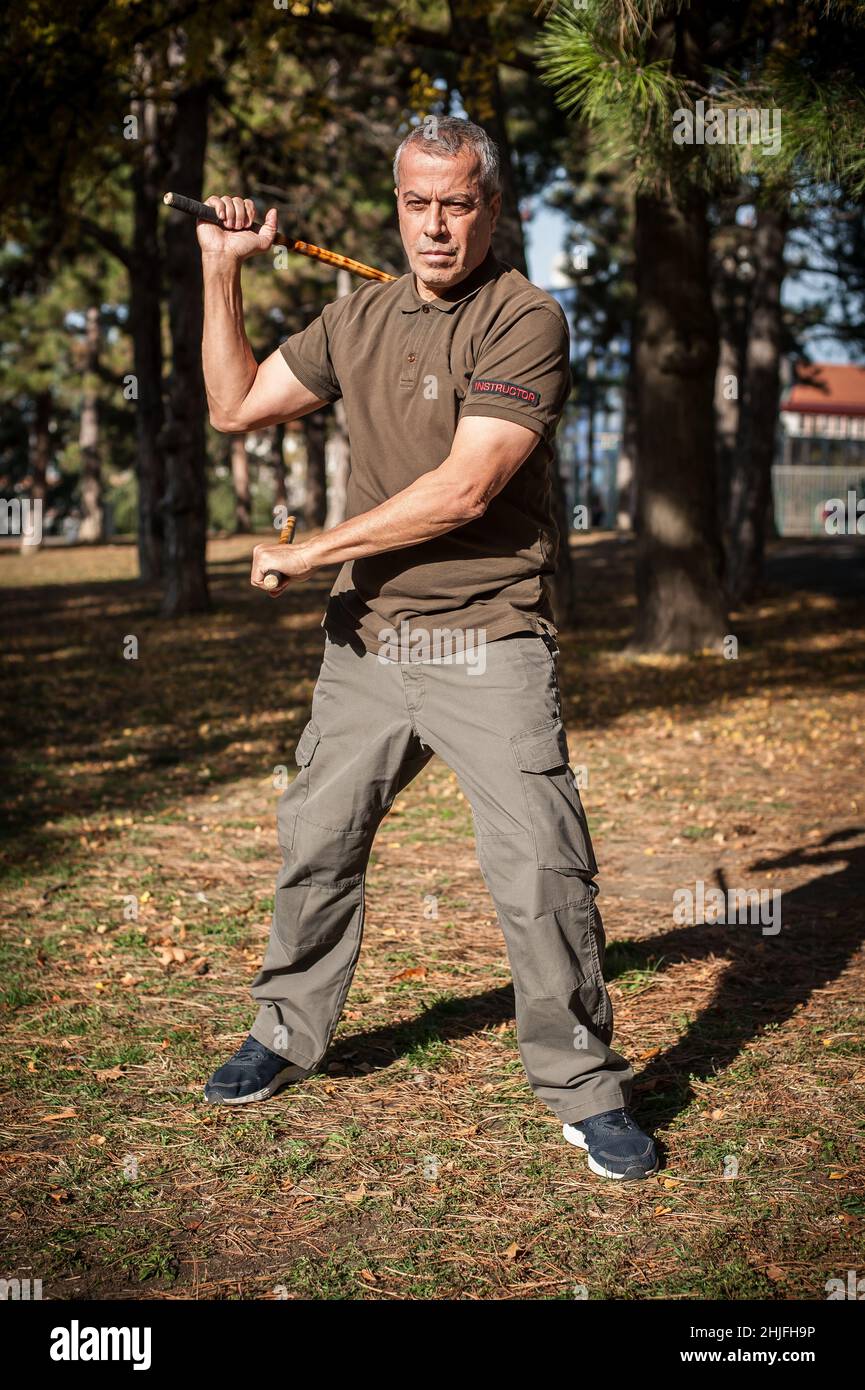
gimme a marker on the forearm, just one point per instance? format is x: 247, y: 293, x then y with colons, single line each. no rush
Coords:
x: 227, y: 359
x: 431, y: 506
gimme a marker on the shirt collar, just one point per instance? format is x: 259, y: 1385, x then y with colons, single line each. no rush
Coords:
x: 410, y: 301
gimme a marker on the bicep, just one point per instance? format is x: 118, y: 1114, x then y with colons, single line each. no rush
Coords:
x: 276, y: 395
x: 487, y: 452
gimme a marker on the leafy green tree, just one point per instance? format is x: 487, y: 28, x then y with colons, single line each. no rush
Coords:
x: 635, y: 70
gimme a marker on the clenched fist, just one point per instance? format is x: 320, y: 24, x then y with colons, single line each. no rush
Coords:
x: 235, y: 243
x: 291, y: 561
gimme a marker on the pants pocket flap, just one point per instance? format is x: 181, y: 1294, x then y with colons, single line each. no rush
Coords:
x: 308, y: 744
x: 542, y: 749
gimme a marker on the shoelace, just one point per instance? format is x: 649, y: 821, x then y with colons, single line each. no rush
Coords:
x: 618, y: 1122
x: 249, y: 1051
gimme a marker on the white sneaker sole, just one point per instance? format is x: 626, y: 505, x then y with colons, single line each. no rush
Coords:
x: 578, y: 1139
x: 292, y: 1072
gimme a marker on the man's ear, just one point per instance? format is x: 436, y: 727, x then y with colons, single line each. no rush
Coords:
x: 495, y: 209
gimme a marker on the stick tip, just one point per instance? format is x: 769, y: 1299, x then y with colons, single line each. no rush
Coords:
x: 168, y: 199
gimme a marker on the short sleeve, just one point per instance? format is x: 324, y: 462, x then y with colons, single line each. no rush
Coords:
x: 308, y: 355
x: 523, y: 371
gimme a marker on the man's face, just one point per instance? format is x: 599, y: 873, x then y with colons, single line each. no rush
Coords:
x: 444, y: 222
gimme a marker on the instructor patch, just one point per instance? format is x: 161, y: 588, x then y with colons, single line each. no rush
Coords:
x: 508, y: 389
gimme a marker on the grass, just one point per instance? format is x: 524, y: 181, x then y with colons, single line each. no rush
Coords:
x: 416, y: 1164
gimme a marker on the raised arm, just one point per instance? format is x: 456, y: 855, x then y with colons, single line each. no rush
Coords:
x: 241, y: 395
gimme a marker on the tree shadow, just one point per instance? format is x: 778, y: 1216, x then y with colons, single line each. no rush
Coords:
x: 766, y: 978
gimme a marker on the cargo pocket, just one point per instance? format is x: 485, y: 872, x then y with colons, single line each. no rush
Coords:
x: 295, y: 795
x: 591, y: 1003
x: 307, y: 745
x: 559, y: 827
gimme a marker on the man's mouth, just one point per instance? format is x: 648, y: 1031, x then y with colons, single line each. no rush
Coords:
x: 438, y: 255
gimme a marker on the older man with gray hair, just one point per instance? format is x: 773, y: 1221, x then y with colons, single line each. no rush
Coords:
x: 439, y: 631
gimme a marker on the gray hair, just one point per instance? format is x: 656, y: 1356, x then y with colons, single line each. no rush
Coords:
x: 448, y: 135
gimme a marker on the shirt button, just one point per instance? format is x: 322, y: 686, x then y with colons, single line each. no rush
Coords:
x: 412, y: 357
x: 425, y: 309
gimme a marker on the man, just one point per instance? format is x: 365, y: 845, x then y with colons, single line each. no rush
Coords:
x: 439, y: 631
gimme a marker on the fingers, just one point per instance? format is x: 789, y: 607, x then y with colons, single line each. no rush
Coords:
x: 262, y: 562
x: 234, y: 213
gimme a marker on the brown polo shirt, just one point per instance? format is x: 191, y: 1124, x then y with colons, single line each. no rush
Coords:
x: 408, y: 371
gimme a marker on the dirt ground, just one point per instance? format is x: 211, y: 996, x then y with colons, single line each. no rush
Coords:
x: 138, y: 867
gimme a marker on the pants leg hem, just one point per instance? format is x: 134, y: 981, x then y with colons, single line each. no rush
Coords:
x: 298, y: 1059
x: 573, y: 1117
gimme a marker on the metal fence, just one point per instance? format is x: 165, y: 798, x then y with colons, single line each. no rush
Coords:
x: 802, y: 494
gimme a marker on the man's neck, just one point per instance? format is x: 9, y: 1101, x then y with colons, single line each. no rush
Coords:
x: 459, y: 288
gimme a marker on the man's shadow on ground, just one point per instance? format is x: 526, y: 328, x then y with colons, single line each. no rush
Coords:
x: 766, y: 978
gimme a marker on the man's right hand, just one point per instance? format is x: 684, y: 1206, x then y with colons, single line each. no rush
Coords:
x: 235, y: 245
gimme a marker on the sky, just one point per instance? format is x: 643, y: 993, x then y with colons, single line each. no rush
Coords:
x: 545, y: 234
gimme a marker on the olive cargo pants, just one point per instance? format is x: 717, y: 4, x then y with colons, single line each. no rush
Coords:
x: 374, y: 726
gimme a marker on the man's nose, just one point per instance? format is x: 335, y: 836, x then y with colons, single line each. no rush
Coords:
x: 434, y: 220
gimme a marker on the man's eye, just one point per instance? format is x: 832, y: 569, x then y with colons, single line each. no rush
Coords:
x: 415, y: 206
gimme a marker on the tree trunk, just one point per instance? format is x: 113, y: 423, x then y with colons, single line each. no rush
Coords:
x: 280, y: 495
x: 480, y: 89
x: 564, y: 586
x: 626, y: 467
x: 39, y: 458
x: 678, y: 547
x: 185, y: 567
x: 90, y: 487
x: 731, y: 293
x: 728, y: 384
x: 315, y: 498
x: 340, y: 449
x: 591, y: 402
x: 240, y: 483
x: 145, y: 320
x: 340, y: 453
x: 751, y: 491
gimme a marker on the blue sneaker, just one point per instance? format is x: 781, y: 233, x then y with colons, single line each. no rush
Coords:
x: 616, y: 1145
x: 253, y: 1073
